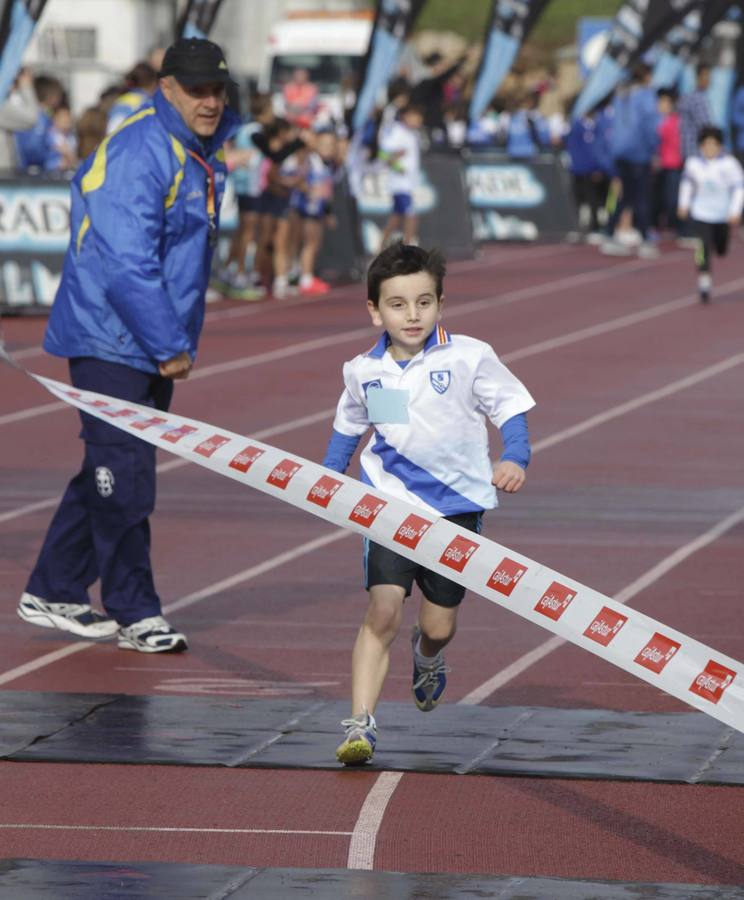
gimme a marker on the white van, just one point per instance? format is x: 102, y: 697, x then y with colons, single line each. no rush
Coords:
x: 331, y: 48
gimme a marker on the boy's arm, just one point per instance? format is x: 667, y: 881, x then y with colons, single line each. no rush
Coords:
x: 686, y: 188
x: 349, y: 426
x: 509, y: 471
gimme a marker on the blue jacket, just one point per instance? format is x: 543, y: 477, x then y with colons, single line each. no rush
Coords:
x: 527, y: 134
x: 136, y: 270
x: 36, y: 147
x: 635, y: 136
x: 582, y: 146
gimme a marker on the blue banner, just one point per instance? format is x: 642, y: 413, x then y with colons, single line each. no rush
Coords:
x: 18, y: 21
x: 511, y: 22
x: 638, y: 24
x: 393, y: 24
x: 198, y: 19
x: 676, y: 49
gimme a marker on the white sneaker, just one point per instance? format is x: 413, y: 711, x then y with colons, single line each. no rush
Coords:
x: 152, y: 635
x: 614, y: 248
x: 77, y: 618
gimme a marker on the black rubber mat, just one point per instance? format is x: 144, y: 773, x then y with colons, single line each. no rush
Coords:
x: 25, y: 879
x: 207, y: 731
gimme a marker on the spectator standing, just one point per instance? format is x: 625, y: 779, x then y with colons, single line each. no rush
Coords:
x: 300, y: 99
x: 64, y: 139
x: 527, y: 132
x: 127, y: 315
x: 634, y: 142
x: 36, y: 149
x: 141, y: 83
x: 670, y: 160
x: 19, y: 112
x: 91, y: 130
x: 694, y: 112
x: 590, y: 181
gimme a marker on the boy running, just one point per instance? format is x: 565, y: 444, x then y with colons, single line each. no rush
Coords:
x: 712, y: 194
x: 401, y: 153
x: 427, y: 393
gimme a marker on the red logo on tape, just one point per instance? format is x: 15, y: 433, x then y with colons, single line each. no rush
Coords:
x: 282, y: 474
x: 605, y: 626
x: 211, y: 445
x: 245, y: 459
x: 555, y: 601
x: 146, y: 423
x: 367, y: 510
x: 174, y: 436
x: 505, y: 576
x: 458, y: 553
x: 411, y: 531
x: 323, y: 490
x: 712, y: 681
x: 657, y: 653
x: 122, y: 414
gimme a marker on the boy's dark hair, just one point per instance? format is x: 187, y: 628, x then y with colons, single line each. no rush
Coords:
x: 404, y: 259
x: 710, y: 131
x: 411, y: 108
x: 669, y: 93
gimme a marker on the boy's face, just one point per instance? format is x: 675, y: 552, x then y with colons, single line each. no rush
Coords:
x: 710, y: 148
x: 408, y: 310
x: 413, y: 119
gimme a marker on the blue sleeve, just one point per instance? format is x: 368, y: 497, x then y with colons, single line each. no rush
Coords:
x: 516, y: 440
x: 340, y: 449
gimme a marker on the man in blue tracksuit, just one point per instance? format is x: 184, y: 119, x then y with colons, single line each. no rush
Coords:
x: 127, y: 315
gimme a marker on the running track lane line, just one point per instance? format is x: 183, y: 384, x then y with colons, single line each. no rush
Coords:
x: 364, y: 836
x: 309, y: 546
x: 364, y: 839
x: 523, y: 353
x: 332, y: 340
x: 9, y: 826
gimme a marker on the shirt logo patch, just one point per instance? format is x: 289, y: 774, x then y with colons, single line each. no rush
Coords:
x: 104, y: 481
x: 440, y: 380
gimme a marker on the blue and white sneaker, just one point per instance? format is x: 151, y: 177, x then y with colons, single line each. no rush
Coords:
x: 429, y: 681
x: 358, y: 746
x: 77, y: 618
x: 152, y: 635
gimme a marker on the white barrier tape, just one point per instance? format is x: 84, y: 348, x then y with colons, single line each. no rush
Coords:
x: 664, y: 657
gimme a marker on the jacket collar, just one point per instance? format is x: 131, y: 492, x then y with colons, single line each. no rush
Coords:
x: 437, y: 338
x: 175, y: 125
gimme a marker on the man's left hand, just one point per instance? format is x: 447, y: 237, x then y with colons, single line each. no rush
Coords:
x: 508, y: 476
x: 176, y: 367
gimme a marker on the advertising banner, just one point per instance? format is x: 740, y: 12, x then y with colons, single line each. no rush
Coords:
x: 511, y: 22
x: 19, y: 18
x: 393, y: 23
x: 198, y: 19
x: 518, y: 200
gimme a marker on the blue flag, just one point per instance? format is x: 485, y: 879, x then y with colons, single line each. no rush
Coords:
x: 638, y: 24
x: 393, y: 23
x: 17, y: 24
x: 511, y: 22
x: 198, y: 19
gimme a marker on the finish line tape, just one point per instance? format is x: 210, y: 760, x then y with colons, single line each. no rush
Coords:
x: 677, y: 664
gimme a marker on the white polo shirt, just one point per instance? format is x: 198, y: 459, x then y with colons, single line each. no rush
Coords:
x: 712, y: 189
x: 440, y: 458
x: 404, y: 175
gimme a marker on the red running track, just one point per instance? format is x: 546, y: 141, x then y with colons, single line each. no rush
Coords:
x: 639, y: 443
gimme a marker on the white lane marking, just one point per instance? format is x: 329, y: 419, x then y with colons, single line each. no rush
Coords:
x: 331, y: 340
x: 364, y: 837
x: 167, y: 830
x: 189, y: 600
x: 654, y: 574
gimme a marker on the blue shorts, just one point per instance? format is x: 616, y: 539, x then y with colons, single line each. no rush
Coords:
x: 403, y: 204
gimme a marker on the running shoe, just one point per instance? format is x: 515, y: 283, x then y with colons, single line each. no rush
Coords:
x: 77, y: 618
x: 152, y: 635
x: 705, y: 283
x: 316, y: 288
x: 358, y: 746
x: 241, y: 287
x: 429, y: 681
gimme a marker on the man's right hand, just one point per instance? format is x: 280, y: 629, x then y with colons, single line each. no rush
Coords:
x: 177, y: 367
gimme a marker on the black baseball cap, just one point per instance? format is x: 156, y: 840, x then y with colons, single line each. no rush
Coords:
x: 193, y: 61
